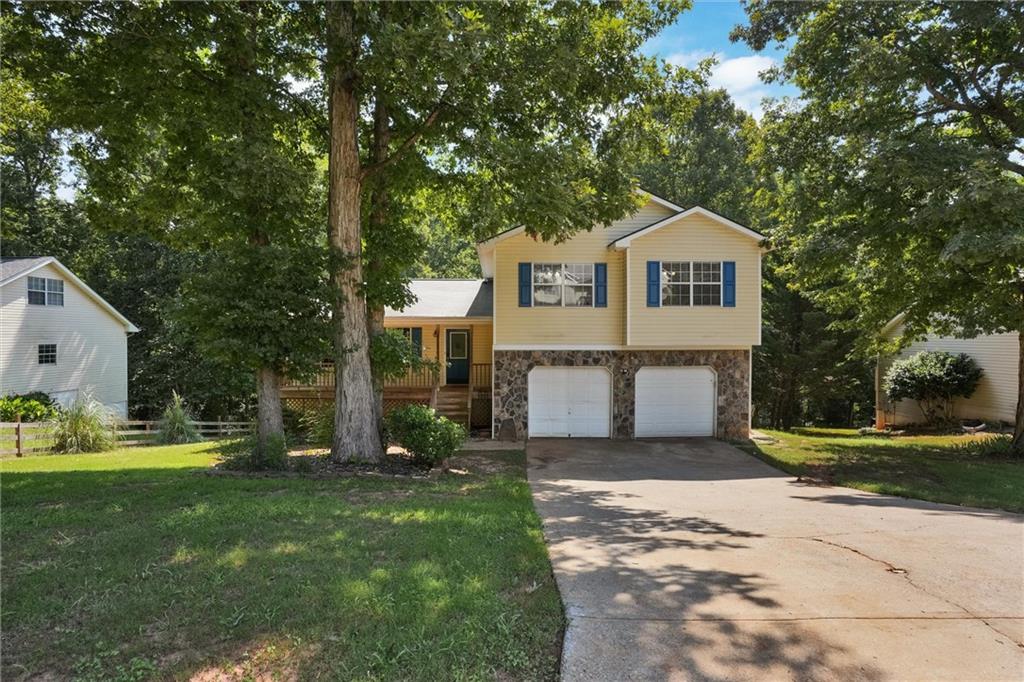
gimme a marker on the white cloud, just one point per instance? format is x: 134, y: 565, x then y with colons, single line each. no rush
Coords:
x: 688, y: 59
x: 739, y: 77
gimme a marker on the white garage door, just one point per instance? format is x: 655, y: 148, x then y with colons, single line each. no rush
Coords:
x: 569, y: 402
x: 675, y: 401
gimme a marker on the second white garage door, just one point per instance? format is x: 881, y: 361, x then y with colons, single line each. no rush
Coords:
x: 569, y: 402
x: 675, y: 401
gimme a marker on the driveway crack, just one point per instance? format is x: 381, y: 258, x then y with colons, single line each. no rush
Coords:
x: 896, y: 570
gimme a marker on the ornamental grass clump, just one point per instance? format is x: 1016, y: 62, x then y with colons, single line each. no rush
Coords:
x: 176, y: 424
x: 84, y: 426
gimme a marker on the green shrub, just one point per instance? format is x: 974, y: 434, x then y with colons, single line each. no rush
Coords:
x: 245, y: 454
x: 933, y: 379
x: 176, y: 424
x: 993, y: 446
x: 427, y: 437
x: 29, y: 407
x: 85, y: 426
x: 317, y: 425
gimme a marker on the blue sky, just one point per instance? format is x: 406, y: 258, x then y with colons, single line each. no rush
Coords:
x: 702, y: 32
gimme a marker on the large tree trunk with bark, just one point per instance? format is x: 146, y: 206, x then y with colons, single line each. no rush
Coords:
x: 269, y: 421
x: 356, y: 433
x: 1018, y: 427
x: 377, y: 221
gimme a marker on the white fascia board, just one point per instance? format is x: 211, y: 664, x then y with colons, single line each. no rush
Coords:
x: 99, y: 300
x: 623, y: 242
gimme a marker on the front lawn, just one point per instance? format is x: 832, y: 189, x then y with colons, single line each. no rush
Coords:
x: 922, y: 467
x: 131, y: 565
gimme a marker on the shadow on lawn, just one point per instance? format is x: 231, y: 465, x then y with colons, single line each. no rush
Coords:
x: 644, y: 618
x: 186, y: 575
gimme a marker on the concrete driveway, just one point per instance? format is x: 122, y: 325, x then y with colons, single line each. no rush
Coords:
x: 689, y: 559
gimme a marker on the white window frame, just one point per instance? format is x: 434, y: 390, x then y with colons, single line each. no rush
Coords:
x: 562, y: 284
x: 39, y: 354
x: 689, y: 285
x: 49, y: 287
x: 465, y: 335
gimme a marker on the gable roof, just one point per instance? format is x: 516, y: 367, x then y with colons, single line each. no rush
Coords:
x: 12, y: 269
x: 461, y: 298
x: 623, y: 242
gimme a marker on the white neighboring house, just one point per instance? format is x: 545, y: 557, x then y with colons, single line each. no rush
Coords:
x: 59, y: 336
x: 995, y: 399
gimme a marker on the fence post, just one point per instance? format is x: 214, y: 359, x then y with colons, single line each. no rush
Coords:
x: 17, y: 434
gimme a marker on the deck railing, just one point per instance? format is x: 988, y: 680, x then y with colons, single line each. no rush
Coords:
x: 480, y: 375
x: 424, y: 377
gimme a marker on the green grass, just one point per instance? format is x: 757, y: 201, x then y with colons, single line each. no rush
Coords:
x: 131, y: 565
x: 921, y: 467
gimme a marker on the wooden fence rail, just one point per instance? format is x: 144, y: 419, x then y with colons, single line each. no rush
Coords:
x: 22, y: 438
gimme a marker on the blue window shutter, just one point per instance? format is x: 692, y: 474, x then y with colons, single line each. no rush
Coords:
x: 417, y: 340
x: 601, y: 285
x: 525, y: 277
x: 653, y: 284
x: 729, y: 284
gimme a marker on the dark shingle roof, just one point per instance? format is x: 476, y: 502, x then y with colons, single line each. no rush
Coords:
x: 448, y: 298
x: 12, y: 267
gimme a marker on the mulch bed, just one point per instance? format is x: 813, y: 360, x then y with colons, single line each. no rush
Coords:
x: 320, y: 466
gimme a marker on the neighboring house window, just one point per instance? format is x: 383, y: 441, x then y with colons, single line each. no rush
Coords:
x: 45, y: 291
x: 563, y: 284
x: 47, y: 354
x: 691, y: 283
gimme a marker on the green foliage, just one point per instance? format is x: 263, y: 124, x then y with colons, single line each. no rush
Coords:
x: 934, y: 379
x: 430, y: 439
x: 247, y: 454
x: 176, y: 424
x: 994, y: 447
x: 84, y: 426
x: 705, y: 159
x: 393, y: 356
x: 317, y: 424
x: 900, y: 187
x: 29, y: 407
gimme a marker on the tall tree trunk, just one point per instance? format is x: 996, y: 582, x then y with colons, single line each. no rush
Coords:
x: 269, y: 421
x: 356, y: 435
x: 378, y: 220
x: 1018, y: 424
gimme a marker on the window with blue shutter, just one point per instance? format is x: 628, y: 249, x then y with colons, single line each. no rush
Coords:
x: 525, y: 282
x: 601, y: 285
x: 729, y: 284
x: 653, y: 283
x: 416, y: 335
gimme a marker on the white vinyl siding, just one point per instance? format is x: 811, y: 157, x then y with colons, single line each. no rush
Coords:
x: 92, y: 346
x: 550, y: 324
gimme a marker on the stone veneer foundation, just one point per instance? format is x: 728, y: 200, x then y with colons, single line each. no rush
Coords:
x: 511, y: 369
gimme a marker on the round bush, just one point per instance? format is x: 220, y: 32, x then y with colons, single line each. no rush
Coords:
x: 176, y: 424
x: 933, y: 379
x: 424, y: 435
x: 85, y: 426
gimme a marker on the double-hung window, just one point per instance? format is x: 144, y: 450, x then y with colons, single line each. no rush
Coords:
x: 691, y: 283
x: 45, y: 291
x: 569, y: 285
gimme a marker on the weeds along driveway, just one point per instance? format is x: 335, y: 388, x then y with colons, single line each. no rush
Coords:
x: 689, y: 559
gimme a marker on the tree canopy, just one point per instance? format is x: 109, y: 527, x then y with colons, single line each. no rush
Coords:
x: 900, y: 185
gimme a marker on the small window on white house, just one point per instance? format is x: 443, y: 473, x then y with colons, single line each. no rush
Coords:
x: 45, y: 291
x: 570, y: 285
x: 691, y: 283
x: 47, y: 354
